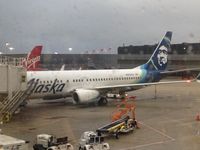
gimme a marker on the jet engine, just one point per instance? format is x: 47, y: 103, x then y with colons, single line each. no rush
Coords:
x: 81, y: 96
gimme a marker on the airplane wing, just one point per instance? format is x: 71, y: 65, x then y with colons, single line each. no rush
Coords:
x: 137, y: 85
x: 180, y: 70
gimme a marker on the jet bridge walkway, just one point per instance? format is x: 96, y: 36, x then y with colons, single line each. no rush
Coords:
x: 9, y: 106
x: 14, y: 89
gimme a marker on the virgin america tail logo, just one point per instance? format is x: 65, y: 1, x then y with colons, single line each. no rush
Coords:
x: 32, y: 62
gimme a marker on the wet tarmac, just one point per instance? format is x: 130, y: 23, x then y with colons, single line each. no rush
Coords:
x: 166, y: 122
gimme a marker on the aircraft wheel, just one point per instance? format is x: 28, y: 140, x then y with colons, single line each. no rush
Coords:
x: 103, y: 101
x: 23, y: 104
x: 80, y: 148
x: 117, y: 135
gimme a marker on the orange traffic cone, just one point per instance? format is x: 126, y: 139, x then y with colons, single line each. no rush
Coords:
x: 197, y: 117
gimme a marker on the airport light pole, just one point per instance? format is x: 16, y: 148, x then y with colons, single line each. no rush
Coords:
x: 70, y: 49
x: 7, y: 48
x: 11, y: 49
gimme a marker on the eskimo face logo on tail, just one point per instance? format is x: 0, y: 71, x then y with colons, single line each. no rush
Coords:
x: 162, y: 56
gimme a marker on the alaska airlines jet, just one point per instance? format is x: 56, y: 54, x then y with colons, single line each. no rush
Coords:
x: 92, y: 85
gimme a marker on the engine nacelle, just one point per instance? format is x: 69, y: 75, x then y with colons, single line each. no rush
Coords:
x: 85, y: 96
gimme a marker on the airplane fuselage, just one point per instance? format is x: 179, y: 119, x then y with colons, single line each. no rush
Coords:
x: 92, y: 85
x: 52, y: 83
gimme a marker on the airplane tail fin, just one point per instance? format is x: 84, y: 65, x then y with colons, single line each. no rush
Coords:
x: 32, y: 61
x: 158, y: 60
x: 63, y: 67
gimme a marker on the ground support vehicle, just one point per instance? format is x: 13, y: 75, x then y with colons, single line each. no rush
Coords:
x: 50, y: 142
x: 124, y: 125
x: 92, y: 141
x: 11, y: 143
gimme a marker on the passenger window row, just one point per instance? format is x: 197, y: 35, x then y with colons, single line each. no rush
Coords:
x: 106, y: 79
x: 91, y: 80
x: 50, y: 81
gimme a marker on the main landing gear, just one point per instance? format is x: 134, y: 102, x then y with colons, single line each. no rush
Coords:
x: 102, y: 101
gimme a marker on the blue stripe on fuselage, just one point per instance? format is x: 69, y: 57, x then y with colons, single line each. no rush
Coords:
x: 149, y: 75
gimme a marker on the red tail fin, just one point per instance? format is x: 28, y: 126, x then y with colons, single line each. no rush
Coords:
x: 32, y: 61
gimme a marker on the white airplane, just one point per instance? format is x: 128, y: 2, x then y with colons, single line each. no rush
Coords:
x: 87, y: 86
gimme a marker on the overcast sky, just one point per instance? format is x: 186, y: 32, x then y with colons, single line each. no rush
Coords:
x: 86, y: 25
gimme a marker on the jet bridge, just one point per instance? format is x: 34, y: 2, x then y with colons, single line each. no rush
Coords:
x: 13, y: 87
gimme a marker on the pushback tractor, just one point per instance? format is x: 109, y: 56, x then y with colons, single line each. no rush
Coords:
x: 92, y: 141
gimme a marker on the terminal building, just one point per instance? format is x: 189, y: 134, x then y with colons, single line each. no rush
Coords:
x: 14, y: 88
x: 184, y: 55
